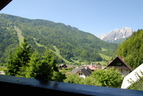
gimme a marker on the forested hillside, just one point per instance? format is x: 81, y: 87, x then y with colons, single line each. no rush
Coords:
x: 68, y: 43
x: 132, y: 49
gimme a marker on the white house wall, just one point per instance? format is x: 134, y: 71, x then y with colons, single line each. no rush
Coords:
x: 126, y: 82
x: 83, y: 76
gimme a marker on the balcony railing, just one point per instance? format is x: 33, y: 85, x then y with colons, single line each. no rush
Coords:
x: 25, y: 86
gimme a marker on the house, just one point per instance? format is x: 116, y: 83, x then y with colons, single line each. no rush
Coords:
x: 63, y: 66
x: 96, y: 67
x: 92, y: 67
x: 82, y: 72
x: 2, y: 72
x: 121, y: 65
x: 66, y: 66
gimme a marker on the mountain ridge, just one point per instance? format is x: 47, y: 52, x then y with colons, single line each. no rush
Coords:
x: 117, y: 34
x: 73, y: 44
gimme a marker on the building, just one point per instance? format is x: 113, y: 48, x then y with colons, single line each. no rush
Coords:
x: 63, y: 66
x: 2, y: 72
x: 121, y: 65
x: 94, y: 67
x: 82, y: 72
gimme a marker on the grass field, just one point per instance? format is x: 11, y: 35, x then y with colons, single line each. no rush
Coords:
x: 103, y: 49
x: 101, y: 62
x: 108, y: 58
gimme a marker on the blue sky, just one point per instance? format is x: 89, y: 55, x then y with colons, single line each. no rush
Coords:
x: 93, y: 16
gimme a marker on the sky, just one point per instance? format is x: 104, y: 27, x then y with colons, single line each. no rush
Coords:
x: 93, y: 16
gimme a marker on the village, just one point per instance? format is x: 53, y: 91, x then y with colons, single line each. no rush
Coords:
x: 45, y: 74
x: 85, y: 70
x: 118, y: 63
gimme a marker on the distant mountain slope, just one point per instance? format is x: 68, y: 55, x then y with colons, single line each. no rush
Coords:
x: 117, y: 35
x: 68, y: 43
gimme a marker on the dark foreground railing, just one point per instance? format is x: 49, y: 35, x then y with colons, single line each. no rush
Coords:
x: 10, y: 85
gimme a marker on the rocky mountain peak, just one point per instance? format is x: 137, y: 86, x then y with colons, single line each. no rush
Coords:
x: 117, y: 34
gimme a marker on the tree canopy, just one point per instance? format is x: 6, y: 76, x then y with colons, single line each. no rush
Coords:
x: 132, y: 49
x: 23, y: 64
x: 18, y: 61
x: 107, y: 78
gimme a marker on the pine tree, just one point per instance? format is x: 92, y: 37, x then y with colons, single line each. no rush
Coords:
x: 42, y: 68
x: 58, y: 76
x: 17, y: 62
x: 47, y: 67
x: 23, y: 64
x: 12, y: 66
x: 32, y: 70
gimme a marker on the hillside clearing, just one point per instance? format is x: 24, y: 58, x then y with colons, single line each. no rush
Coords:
x: 57, y: 52
x: 105, y: 57
x: 103, y: 49
x: 38, y: 44
x: 19, y: 34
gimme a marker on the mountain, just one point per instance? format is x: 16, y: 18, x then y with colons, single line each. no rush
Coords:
x: 117, y: 35
x: 102, y: 36
x: 69, y: 44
